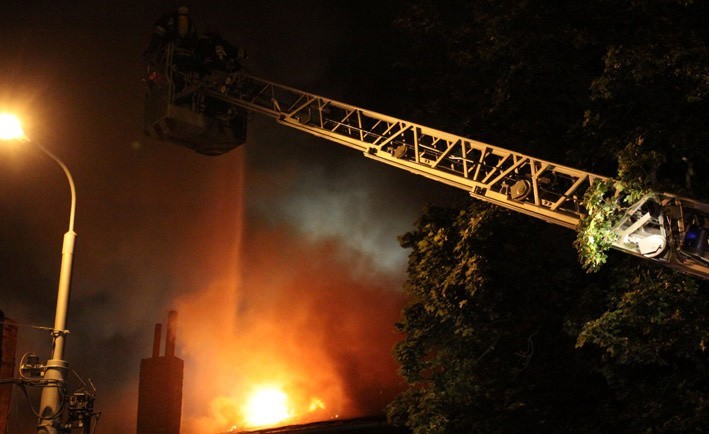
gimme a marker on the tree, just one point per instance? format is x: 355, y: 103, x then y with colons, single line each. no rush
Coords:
x: 652, y: 340
x: 496, y: 324
x: 485, y: 347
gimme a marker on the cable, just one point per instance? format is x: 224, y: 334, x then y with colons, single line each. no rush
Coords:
x: 57, y: 384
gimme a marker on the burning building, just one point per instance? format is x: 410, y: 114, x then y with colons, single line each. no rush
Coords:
x: 362, y: 425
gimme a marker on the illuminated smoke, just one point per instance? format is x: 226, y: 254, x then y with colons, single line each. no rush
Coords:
x: 298, y: 313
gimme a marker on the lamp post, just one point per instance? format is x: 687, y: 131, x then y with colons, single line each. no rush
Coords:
x: 54, y: 396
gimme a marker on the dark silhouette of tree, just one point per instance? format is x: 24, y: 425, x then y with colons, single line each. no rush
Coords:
x: 504, y: 331
x: 485, y: 347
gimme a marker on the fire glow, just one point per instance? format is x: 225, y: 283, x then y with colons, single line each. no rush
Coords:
x: 268, y: 405
x: 283, y: 330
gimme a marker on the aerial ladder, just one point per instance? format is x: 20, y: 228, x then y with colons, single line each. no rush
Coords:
x: 208, y: 112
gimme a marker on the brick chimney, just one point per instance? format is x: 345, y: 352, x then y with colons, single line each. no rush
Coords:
x: 160, y: 388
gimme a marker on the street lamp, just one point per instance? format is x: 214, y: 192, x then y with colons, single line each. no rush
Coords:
x: 54, y: 397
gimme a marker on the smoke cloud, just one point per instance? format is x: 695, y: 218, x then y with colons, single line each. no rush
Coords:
x: 307, y: 313
x: 281, y: 257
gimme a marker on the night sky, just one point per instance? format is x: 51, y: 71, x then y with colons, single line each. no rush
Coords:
x: 281, y: 256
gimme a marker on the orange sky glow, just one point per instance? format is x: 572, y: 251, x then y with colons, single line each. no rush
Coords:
x: 292, y: 326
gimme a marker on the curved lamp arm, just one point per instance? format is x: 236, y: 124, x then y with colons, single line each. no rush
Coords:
x: 69, y: 178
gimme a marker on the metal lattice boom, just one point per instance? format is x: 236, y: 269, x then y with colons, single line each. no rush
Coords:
x: 526, y: 184
x: 208, y: 114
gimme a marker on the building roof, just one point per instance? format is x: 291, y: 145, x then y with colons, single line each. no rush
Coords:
x: 369, y: 425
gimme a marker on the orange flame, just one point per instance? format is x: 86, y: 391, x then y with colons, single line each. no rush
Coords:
x: 267, y: 406
x: 323, y: 342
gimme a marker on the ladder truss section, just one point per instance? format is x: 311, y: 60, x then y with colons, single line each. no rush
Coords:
x: 535, y: 187
x: 208, y: 114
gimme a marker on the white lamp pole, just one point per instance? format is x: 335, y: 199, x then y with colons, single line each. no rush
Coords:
x: 54, y: 394
x: 54, y: 397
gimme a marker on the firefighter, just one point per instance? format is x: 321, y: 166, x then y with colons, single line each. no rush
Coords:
x: 214, y: 53
x: 177, y: 28
x: 177, y: 32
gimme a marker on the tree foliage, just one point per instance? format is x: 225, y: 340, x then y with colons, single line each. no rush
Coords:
x: 605, y: 203
x: 479, y: 339
x: 652, y: 340
x: 504, y: 331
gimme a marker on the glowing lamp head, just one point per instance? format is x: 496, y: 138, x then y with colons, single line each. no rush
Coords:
x: 11, y: 128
